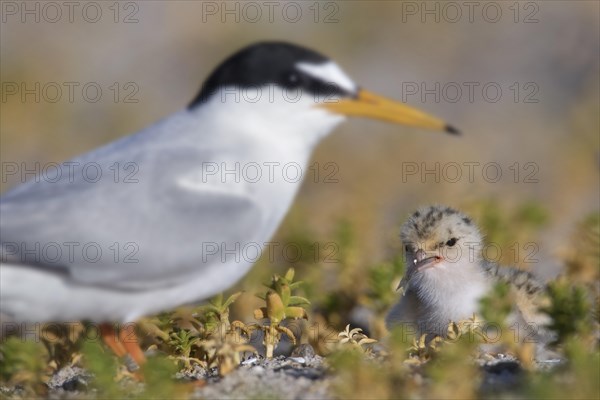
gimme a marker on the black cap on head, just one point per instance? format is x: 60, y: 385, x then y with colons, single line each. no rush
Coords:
x: 268, y: 63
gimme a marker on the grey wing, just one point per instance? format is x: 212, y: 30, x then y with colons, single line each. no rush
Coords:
x: 520, y: 279
x: 152, y: 232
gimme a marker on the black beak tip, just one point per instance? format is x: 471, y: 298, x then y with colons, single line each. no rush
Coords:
x: 452, y: 130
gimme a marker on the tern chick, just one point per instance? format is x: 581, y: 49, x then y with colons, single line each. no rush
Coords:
x: 447, y: 275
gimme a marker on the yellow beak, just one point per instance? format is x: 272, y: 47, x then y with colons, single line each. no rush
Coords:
x: 371, y: 105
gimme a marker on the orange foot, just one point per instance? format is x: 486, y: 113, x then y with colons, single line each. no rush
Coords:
x: 123, y: 343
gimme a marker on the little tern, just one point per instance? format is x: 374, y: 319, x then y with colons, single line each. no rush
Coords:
x: 103, y: 249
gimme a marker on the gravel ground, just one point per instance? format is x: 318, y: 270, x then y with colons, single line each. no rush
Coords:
x: 303, y: 375
x: 279, y: 378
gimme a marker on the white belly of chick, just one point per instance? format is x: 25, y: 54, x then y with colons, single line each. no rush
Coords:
x: 443, y: 307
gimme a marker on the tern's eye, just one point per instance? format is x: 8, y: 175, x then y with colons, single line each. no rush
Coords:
x: 409, y: 248
x: 451, y: 242
x: 293, y: 78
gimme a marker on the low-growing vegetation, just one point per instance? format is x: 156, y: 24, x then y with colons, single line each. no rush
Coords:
x: 193, y: 347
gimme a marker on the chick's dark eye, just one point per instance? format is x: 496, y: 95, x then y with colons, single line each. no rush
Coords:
x: 451, y: 242
x: 407, y: 248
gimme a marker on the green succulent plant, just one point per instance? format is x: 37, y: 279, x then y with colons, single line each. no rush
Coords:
x: 280, y: 305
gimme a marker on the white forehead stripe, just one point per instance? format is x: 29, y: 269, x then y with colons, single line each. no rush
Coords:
x: 328, y: 72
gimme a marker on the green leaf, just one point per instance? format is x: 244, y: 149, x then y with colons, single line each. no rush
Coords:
x: 231, y: 299
x: 211, y: 309
x: 298, y: 301
x: 289, y: 275
x: 296, y: 285
x: 275, y: 308
x: 285, y: 293
x: 217, y: 301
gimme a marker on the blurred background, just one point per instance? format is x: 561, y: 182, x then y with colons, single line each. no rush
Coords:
x: 527, y: 103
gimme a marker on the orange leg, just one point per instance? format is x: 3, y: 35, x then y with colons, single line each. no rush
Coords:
x: 131, y: 344
x: 109, y: 336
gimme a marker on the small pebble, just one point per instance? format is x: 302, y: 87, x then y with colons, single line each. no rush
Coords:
x: 299, y: 360
x: 303, y: 350
x: 258, y: 370
x: 250, y: 361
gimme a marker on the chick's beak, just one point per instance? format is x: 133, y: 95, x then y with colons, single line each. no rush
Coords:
x: 422, y: 261
x: 420, y: 256
x: 371, y: 105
